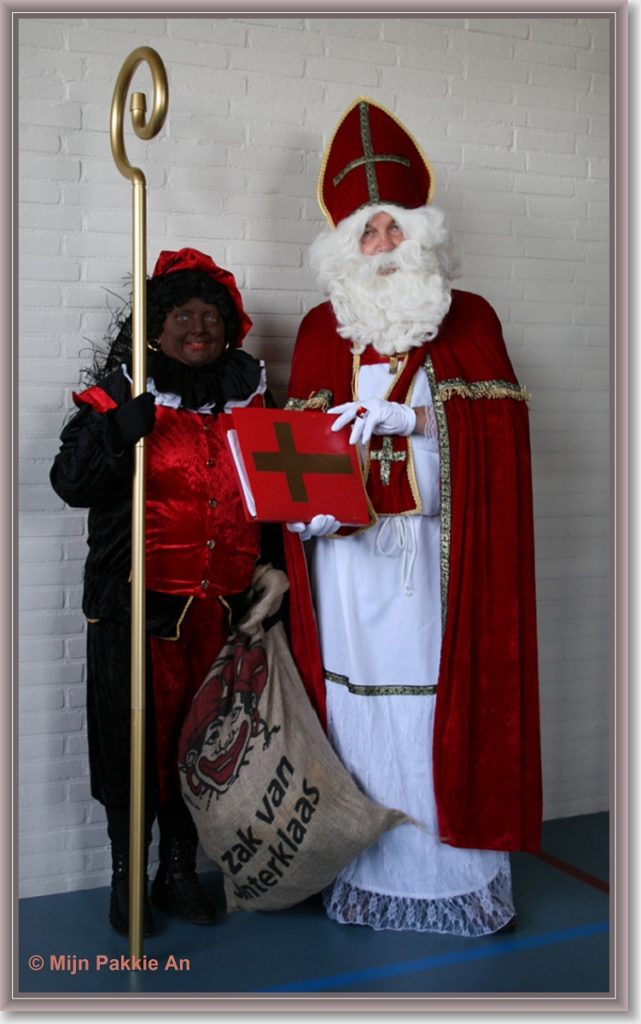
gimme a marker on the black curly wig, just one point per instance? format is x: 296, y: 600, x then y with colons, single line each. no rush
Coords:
x: 164, y: 293
x: 171, y: 290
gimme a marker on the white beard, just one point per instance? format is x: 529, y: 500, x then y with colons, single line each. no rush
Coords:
x: 393, y: 311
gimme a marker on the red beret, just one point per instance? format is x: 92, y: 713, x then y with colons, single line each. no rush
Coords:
x: 192, y: 259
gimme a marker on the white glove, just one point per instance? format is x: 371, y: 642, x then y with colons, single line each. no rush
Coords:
x: 379, y: 417
x: 320, y: 526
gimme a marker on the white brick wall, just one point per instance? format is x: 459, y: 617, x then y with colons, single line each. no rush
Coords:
x: 513, y: 113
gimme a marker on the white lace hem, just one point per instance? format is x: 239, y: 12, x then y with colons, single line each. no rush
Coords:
x: 472, y: 914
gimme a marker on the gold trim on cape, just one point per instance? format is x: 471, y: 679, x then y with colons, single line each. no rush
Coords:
x: 446, y: 484
x: 459, y: 388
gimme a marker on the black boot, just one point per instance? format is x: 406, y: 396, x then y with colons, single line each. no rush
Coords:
x: 176, y: 887
x: 119, y: 905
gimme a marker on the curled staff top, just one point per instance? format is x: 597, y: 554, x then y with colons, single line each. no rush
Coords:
x: 144, y: 129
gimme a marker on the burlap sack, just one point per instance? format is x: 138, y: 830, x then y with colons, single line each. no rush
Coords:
x: 273, y: 805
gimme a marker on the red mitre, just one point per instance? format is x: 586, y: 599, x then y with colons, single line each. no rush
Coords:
x: 372, y: 159
x: 191, y: 259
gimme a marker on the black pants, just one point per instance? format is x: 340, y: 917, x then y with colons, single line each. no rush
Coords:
x: 174, y: 821
x: 108, y: 730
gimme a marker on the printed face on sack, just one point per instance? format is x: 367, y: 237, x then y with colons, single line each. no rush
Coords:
x: 226, y: 719
x: 225, y: 744
x: 193, y: 333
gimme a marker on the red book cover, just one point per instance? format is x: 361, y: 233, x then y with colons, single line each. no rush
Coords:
x: 292, y: 466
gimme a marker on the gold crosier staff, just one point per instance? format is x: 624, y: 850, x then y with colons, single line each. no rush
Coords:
x: 144, y: 130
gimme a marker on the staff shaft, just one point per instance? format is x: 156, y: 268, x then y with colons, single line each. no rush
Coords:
x: 137, y: 879
x: 145, y: 130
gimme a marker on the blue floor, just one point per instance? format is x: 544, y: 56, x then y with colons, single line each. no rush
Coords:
x: 560, y: 943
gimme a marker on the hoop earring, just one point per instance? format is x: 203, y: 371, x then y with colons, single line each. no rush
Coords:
x: 153, y: 344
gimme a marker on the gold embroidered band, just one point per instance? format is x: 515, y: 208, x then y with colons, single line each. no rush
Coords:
x: 446, y: 484
x: 388, y: 454
x: 381, y: 691
x: 459, y: 388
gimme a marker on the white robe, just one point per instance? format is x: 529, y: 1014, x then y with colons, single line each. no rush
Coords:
x: 378, y: 604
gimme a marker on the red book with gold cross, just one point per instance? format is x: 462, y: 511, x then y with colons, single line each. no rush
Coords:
x: 291, y: 466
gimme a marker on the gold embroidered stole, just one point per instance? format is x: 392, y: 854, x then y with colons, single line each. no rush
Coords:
x: 389, y: 464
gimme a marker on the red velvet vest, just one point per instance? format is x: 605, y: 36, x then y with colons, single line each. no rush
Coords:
x: 198, y: 541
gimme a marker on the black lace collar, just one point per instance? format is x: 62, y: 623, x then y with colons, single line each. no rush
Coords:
x: 236, y: 375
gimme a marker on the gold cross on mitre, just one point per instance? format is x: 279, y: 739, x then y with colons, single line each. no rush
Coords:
x: 386, y: 456
x: 372, y: 159
x: 369, y: 157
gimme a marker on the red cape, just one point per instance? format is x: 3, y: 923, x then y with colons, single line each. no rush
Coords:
x: 486, y: 753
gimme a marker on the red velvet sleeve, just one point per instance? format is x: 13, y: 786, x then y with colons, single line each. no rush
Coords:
x: 304, y: 635
x: 322, y: 359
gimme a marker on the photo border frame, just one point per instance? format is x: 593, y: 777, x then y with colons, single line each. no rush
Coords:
x: 618, y: 998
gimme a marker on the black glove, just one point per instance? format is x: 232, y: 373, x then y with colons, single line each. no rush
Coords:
x: 135, y: 418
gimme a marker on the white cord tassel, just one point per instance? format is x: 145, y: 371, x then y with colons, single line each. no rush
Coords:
x: 402, y: 540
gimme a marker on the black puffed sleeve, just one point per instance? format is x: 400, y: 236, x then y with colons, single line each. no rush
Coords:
x: 91, y: 466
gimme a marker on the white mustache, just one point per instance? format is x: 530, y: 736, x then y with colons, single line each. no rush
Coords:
x: 407, y: 256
